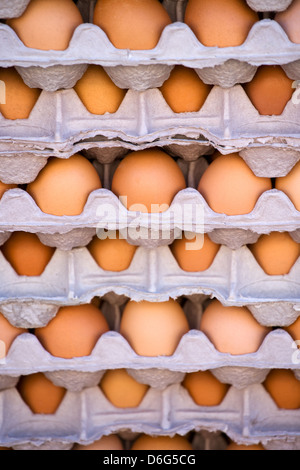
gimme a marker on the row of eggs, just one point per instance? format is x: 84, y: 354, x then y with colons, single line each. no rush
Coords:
x: 138, y: 25
x: 152, y: 329
x: 269, y: 91
x: 148, y: 180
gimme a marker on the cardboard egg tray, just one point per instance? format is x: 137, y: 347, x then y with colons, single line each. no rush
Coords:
x: 140, y: 70
x: 227, y: 122
x: 247, y: 416
x: 74, y: 277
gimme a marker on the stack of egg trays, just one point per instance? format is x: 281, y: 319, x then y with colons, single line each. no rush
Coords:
x: 247, y: 414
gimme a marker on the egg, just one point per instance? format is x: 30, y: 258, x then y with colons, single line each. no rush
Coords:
x: 190, y: 256
x: 64, y: 185
x: 98, y: 92
x: 5, y: 187
x: 289, y: 20
x: 290, y: 185
x: 204, y: 388
x: 232, y: 330
x: 131, y: 24
x: 230, y: 187
x: 147, y: 442
x: 147, y: 181
x: 111, y: 442
x: 270, y: 90
x: 73, y: 332
x: 47, y: 24
x: 235, y: 446
x: 20, y: 99
x: 276, y: 253
x: 153, y: 328
x: 294, y: 330
x: 40, y: 394
x: 112, y: 254
x: 284, y: 388
x: 8, y: 333
x: 27, y: 254
x: 183, y: 91
x: 122, y: 390
x: 219, y: 23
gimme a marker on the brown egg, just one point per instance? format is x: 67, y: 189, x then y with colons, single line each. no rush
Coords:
x: 111, y: 442
x: 235, y: 446
x: 47, y: 24
x: 232, y: 330
x: 205, y: 388
x: 122, y: 390
x: 230, y: 187
x: 289, y: 20
x: 270, y: 90
x: 276, y: 253
x: 98, y: 92
x: 289, y: 184
x: 146, y: 442
x: 284, y: 388
x: 131, y: 24
x: 5, y: 187
x: 153, y: 328
x: 147, y: 181
x: 219, y: 23
x: 27, y: 254
x: 64, y: 185
x: 184, y: 91
x: 8, y: 334
x: 74, y: 331
x: 40, y: 394
x: 192, y: 258
x: 19, y: 98
x: 6, y: 448
x: 294, y: 330
x: 112, y: 254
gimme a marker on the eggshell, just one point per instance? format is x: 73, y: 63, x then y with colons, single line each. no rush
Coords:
x: 232, y: 330
x: 190, y: 256
x: 276, y: 253
x: 73, y: 332
x: 230, y: 187
x: 205, y: 388
x: 184, y: 91
x: 147, y: 180
x: 112, y: 254
x: 294, y: 330
x: 47, y: 24
x: 146, y: 442
x: 111, y: 442
x: 219, y: 23
x: 284, y: 388
x: 289, y: 21
x: 64, y: 185
x: 19, y: 98
x: 234, y: 446
x: 40, y: 394
x: 98, y: 92
x: 290, y: 185
x: 270, y: 90
x: 153, y: 328
x: 131, y: 24
x: 122, y: 390
x: 27, y: 254
x: 5, y: 187
x: 8, y: 334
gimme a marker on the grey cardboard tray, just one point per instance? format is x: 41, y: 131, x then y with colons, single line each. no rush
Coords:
x: 247, y: 416
x: 140, y: 70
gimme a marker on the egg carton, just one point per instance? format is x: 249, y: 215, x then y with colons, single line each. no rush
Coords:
x: 140, y: 70
x: 234, y: 278
x: 227, y: 122
x: 248, y: 417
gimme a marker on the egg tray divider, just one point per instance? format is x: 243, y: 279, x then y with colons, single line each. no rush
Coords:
x: 140, y: 70
x: 74, y: 277
x: 228, y: 122
x: 247, y: 416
